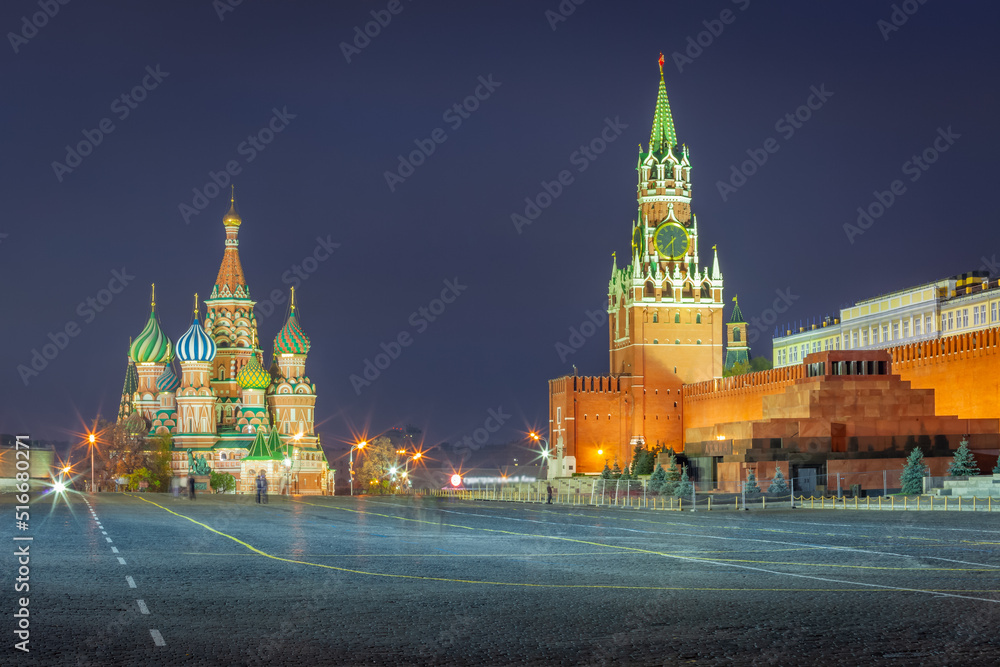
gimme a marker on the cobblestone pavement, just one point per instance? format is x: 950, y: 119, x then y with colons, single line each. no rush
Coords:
x: 153, y: 580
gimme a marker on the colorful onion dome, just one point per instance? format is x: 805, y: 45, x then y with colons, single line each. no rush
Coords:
x: 195, y: 344
x: 152, y: 345
x: 253, y: 376
x: 232, y: 218
x: 168, y: 380
x: 291, y: 339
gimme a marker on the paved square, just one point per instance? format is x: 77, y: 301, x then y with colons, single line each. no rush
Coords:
x: 150, y: 579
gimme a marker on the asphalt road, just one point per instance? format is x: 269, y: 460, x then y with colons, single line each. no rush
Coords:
x: 308, y: 581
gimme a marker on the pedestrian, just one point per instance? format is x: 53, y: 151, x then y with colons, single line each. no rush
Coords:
x: 175, y: 486
x: 548, y: 488
x: 191, y: 487
x: 261, y: 488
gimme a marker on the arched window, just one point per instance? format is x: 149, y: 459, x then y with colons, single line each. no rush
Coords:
x: 677, y: 342
x: 706, y: 293
x: 699, y: 341
x: 650, y: 290
x: 677, y: 318
x: 687, y: 292
x: 222, y: 456
x: 697, y: 318
x: 656, y: 341
x: 667, y: 292
x: 736, y: 334
x: 656, y: 318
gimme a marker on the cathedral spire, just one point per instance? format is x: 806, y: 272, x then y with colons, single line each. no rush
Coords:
x: 663, y: 137
x: 716, y: 273
x: 231, y: 282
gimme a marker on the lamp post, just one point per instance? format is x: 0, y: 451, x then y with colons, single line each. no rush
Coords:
x: 91, y: 438
x: 359, y: 447
x: 545, y: 453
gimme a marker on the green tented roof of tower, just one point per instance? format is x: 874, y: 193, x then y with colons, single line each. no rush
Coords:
x: 131, y: 386
x: 258, y: 450
x: 663, y: 136
x: 274, y: 445
x: 737, y: 315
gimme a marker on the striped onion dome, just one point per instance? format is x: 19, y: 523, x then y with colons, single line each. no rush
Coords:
x: 253, y: 376
x: 152, y: 345
x: 291, y: 339
x: 195, y: 344
x: 168, y: 380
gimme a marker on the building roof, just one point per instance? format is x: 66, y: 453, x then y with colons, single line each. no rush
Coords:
x: 662, y: 137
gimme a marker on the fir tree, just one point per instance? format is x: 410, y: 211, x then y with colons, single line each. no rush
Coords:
x: 996, y: 468
x: 751, y: 486
x: 684, y: 488
x: 606, y: 473
x: 673, y: 475
x: 778, y: 484
x: 963, y: 464
x: 616, y: 472
x: 657, y: 479
x: 912, y: 479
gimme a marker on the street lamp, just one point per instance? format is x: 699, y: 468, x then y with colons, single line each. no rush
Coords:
x: 545, y: 452
x: 359, y: 447
x: 91, y: 438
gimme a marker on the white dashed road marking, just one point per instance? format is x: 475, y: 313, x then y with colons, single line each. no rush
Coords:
x: 121, y: 560
x: 114, y: 550
x: 157, y: 638
x: 143, y: 609
x: 131, y: 582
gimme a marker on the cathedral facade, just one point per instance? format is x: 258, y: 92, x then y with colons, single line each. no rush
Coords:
x: 223, y: 409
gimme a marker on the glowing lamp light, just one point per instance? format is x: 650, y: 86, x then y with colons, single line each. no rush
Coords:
x: 600, y: 452
x: 59, y: 487
x: 91, y: 438
x: 361, y: 445
x: 417, y: 455
x: 287, y: 461
x: 456, y: 480
x: 720, y: 437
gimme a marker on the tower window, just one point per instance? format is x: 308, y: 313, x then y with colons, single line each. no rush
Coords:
x: 677, y: 318
x: 699, y: 341
x: 697, y: 318
x: 656, y: 341
x: 650, y: 290
x: 677, y: 342
x: 736, y: 334
x: 705, y: 292
x: 655, y: 318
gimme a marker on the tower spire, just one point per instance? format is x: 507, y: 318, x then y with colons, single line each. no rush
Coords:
x: 663, y: 137
x: 152, y: 295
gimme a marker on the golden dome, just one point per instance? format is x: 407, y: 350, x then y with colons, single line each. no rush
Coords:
x: 232, y: 218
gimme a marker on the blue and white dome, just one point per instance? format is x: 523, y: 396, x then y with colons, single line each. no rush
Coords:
x: 195, y: 344
x: 168, y: 380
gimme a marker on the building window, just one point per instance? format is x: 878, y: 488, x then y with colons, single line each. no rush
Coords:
x: 993, y: 312
x: 854, y: 339
x: 699, y: 342
x: 895, y: 330
x: 697, y: 320
x: 677, y: 318
x: 655, y: 318
x: 656, y: 341
x: 885, y: 332
x: 916, y: 326
x: 951, y: 321
x: 559, y: 415
x: 677, y: 342
x: 965, y: 317
x: 975, y: 315
x: 906, y: 329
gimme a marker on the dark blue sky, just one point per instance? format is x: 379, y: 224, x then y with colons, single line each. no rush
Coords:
x: 323, y: 176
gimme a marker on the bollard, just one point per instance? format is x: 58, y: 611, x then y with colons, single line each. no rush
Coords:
x: 960, y: 503
x: 710, y: 503
x: 763, y: 502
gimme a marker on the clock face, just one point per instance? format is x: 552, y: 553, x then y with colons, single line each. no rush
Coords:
x: 671, y: 240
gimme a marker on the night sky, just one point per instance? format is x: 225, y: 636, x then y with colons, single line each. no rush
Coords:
x: 553, y: 86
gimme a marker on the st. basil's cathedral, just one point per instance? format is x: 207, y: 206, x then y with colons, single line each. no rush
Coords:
x: 224, y: 409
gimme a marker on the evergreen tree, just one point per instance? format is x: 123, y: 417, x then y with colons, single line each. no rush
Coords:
x: 626, y: 473
x: 657, y: 479
x: 752, y: 483
x: 912, y: 479
x: 996, y: 468
x: 778, y: 484
x: 616, y: 472
x: 645, y: 463
x: 683, y: 488
x: 606, y: 473
x: 963, y: 464
x: 673, y: 476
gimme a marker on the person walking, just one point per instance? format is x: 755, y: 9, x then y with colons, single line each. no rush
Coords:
x: 261, y: 488
x: 191, y: 487
x: 548, y: 489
